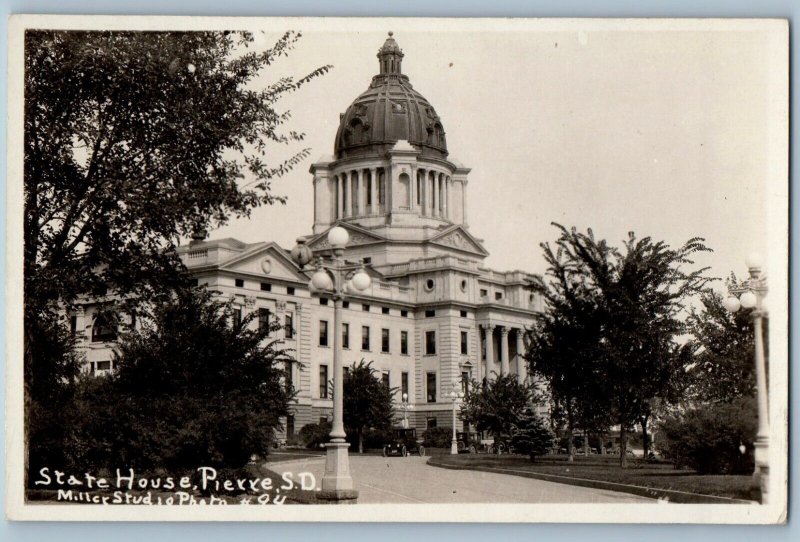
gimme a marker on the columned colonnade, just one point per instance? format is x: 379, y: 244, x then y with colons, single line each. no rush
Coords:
x: 505, y: 337
x: 363, y: 191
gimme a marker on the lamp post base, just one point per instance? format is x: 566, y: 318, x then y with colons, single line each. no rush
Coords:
x: 454, y: 447
x: 761, y: 472
x: 337, y: 484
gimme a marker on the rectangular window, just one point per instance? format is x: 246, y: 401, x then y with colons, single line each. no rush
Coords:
x: 385, y: 378
x: 367, y: 260
x: 263, y: 319
x: 463, y: 314
x: 404, y: 384
x: 498, y: 295
x: 323, y: 381
x: 290, y: 290
x: 430, y: 313
x: 345, y: 335
x: 385, y: 310
x: 266, y: 287
x: 323, y: 333
x: 364, y: 337
x: 430, y: 343
x: 365, y: 307
x: 323, y: 300
x: 289, y: 377
x: 430, y: 387
x: 464, y: 343
x: 384, y: 340
x: 430, y: 423
x: 239, y: 283
x: 464, y: 382
x: 404, y: 313
x: 404, y: 343
x: 345, y: 304
x: 288, y: 325
x: 237, y: 317
x: 484, y: 292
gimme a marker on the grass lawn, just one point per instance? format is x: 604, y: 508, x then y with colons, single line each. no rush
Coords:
x: 606, y: 468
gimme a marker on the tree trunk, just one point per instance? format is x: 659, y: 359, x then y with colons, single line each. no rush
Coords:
x: 623, y: 447
x: 360, y: 441
x: 570, y: 445
x: 586, y: 443
x: 645, y: 438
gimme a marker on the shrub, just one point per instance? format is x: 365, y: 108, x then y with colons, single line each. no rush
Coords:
x: 709, y: 438
x: 314, y: 434
x: 437, y: 437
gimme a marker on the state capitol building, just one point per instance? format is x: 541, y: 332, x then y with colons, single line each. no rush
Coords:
x: 433, y: 316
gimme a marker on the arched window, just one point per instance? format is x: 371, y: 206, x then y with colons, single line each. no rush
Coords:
x: 104, y: 328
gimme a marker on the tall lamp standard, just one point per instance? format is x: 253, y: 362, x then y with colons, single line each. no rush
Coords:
x: 750, y: 294
x: 455, y: 395
x: 333, y: 277
x: 405, y: 406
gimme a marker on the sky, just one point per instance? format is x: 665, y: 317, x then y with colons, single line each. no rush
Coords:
x: 670, y: 134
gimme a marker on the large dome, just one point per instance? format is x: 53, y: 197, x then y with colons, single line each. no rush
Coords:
x: 388, y: 111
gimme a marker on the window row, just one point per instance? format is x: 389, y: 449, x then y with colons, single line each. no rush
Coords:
x: 266, y: 319
x: 265, y: 286
x: 325, y: 384
x: 430, y: 339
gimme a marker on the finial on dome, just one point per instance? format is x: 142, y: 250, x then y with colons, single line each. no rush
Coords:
x: 391, y: 33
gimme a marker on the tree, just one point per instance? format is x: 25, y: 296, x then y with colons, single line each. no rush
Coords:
x: 635, y: 299
x: 529, y: 435
x: 192, y: 387
x: 561, y: 351
x: 496, y: 405
x: 722, y: 368
x: 132, y: 141
x: 367, y: 402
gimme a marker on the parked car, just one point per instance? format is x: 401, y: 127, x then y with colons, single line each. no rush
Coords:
x: 404, y: 442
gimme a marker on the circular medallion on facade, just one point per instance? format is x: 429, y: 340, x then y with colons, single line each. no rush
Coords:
x: 463, y: 285
x: 429, y: 284
x: 266, y: 266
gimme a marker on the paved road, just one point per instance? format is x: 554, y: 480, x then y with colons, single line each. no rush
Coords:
x: 411, y: 480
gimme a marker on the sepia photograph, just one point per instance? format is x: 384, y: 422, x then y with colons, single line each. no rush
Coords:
x: 472, y: 270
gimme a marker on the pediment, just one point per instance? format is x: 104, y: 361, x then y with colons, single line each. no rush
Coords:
x: 460, y: 239
x: 358, y: 236
x: 268, y: 260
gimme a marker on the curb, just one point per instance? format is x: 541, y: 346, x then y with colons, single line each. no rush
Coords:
x: 675, y: 496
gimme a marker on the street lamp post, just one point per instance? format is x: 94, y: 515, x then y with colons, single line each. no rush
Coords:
x: 750, y: 294
x: 405, y: 406
x: 455, y: 395
x: 334, y: 277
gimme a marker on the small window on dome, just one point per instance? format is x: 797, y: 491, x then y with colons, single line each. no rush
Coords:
x: 429, y: 284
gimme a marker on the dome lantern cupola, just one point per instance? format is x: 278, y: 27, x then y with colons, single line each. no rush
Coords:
x: 390, y: 56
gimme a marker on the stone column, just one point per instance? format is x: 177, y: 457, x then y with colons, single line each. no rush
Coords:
x: 373, y: 179
x: 423, y: 182
x: 436, y: 177
x: 489, y: 349
x: 339, y: 196
x: 362, y: 193
x: 504, y: 365
x: 445, y: 197
x: 449, y: 198
x: 520, y: 360
x: 348, y: 194
x: 412, y: 190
